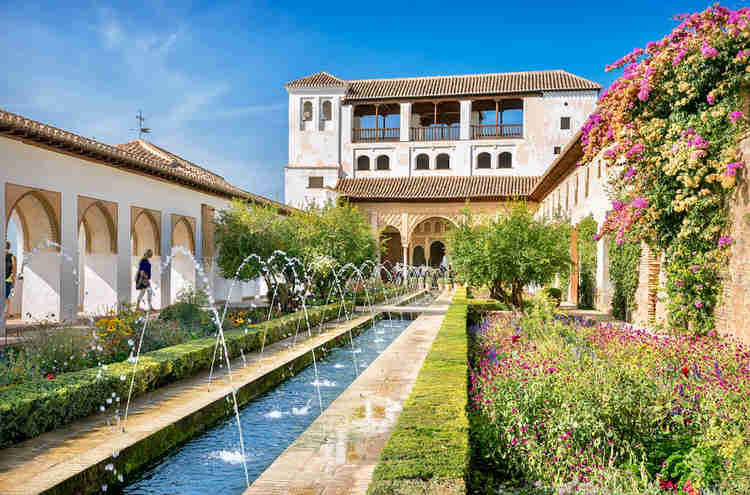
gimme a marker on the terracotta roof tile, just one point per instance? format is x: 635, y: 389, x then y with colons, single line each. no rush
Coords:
x: 438, y: 86
x: 319, y: 80
x: 436, y: 187
x: 139, y: 156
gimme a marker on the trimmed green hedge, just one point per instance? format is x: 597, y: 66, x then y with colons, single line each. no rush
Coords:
x: 27, y: 410
x: 428, y: 451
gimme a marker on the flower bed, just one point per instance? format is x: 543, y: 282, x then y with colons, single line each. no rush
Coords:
x: 598, y: 407
x: 428, y: 450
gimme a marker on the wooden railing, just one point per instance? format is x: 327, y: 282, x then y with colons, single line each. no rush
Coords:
x: 496, y: 131
x: 435, y: 133
x: 371, y: 135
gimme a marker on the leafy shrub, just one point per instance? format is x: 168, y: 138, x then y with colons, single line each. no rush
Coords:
x: 553, y: 293
x: 188, y: 310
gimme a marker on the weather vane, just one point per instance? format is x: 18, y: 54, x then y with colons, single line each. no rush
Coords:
x: 141, y: 130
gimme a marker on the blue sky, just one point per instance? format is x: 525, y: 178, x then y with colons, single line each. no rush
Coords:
x: 209, y: 76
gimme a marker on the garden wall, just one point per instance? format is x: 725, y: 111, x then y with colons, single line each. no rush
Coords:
x: 733, y: 314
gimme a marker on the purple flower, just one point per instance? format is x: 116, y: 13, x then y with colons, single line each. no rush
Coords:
x: 735, y: 116
x: 617, y: 205
x: 717, y: 370
x: 732, y: 168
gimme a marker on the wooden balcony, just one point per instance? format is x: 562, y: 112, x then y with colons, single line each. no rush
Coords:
x: 435, y: 133
x: 376, y: 135
x: 494, y: 131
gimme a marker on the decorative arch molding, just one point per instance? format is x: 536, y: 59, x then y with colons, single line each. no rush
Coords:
x: 189, y: 223
x: 415, y: 220
x: 51, y: 204
x: 151, y: 216
x: 108, y: 210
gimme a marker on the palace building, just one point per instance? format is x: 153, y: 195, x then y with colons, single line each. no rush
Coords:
x: 411, y: 151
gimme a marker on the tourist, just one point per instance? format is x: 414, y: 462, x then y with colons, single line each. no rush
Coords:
x: 451, y: 276
x: 143, y: 280
x: 10, y: 277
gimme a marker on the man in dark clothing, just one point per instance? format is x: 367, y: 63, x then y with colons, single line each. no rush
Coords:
x: 143, y: 281
x: 10, y: 277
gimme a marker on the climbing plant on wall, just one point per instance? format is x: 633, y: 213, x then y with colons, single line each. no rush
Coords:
x: 623, y: 271
x: 670, y: 125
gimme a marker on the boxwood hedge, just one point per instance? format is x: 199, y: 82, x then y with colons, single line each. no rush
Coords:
x: 428, y: 451
x: 29, y: 409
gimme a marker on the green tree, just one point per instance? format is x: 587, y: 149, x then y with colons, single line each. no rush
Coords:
x: 509, y: 252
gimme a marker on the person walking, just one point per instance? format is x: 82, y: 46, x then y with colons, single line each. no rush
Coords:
x: 143, y: 281
x: 451, y: 276
x: 10, y: 277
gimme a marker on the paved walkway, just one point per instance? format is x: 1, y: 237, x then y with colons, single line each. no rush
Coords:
x: 337, y: 454
x: 43, y: 462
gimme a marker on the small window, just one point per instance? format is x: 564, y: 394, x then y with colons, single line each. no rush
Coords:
x: 556, y: 151
x: 564, y: 123
x: 443, y: 162
x: 307, y: 111
x: 383, y: 163
x: 315, y: 182
x: 423, y: 162
x: 327, y: 112
x: 363, y: 163
x: 484, y: 160
x: 505, y: 160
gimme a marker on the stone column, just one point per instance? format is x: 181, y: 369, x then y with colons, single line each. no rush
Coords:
x: 573, y: 287
x: 603, y: 284
x: 405, y: 121
x: 69, y: 276
x: 166, y: 254
x: 124, y: 256
x: 465, y: 132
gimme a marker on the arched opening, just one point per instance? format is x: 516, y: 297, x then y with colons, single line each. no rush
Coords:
x: 97, y: 260
x: 383, y: 163
x: 183, y: 268
x: 419, y: 259
x: 307, y: 111
x: 443, y: 161
x: 484, y: 160
x: 504, y: 160
x: 327, y: 111
x: 437, y: 253
x: 31, y: 222
x: 363, y: 163
x: 147, y: 235
x: 423, y: 162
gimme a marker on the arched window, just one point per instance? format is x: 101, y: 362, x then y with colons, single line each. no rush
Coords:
x: 382, y: 163
x: 307, y: 111
x: 327, y: 112
x: 423, y: 162
x: 363, y: 163
x: 504, y: 160
x: 484, y: 160
x: 443, y: 161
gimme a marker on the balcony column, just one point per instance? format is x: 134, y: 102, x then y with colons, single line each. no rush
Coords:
x: 405, y: 121
x: 465, y: 125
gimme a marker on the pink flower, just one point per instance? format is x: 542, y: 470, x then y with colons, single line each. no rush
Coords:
x: 639, y: 202
x: 630, y: 173
x: 694, y: 268
x: 708, y: 51
x: 735, y: 116
x: 710, y: 99
x: 680, y: 283
x: 732, y: 168
x: 725, y: 241
x: 698, y: 304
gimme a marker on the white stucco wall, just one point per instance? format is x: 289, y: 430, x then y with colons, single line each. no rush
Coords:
x: 329, y: 151
x: 50, y: 282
